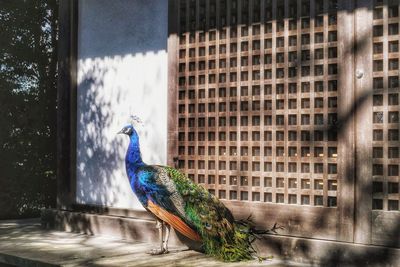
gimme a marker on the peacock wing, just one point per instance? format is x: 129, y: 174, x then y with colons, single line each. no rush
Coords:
x: 165, y: 201
x: 203, y: 209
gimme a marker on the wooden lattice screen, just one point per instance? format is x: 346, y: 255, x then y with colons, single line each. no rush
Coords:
x: 264, y: 91
x: 384, y: 123
x: 385, y: 115
x: 256, y: 100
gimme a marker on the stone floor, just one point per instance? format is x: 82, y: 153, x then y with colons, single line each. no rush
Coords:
x: 24, y: 243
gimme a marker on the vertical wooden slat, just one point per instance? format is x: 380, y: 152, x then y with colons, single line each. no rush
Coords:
x: 385, y: 107
x: 286, y: 99
x: 346, y: 159
x: 237, y: 97
x: 312, y: 112
x: 297, y: 64
x: 173, y: 48
x: 363, y: 100
x: 273, y: 82
x: 262, y: 108
x: 199, y: 30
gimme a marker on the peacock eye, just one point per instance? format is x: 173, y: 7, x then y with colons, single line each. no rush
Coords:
x: 208, y: 226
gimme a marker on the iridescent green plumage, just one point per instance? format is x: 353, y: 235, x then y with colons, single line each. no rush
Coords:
x: 222, y: 236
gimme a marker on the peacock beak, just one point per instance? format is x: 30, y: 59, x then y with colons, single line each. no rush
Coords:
x: 121, y: 132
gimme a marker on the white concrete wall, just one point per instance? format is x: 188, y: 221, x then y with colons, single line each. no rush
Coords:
x: 122, y: 71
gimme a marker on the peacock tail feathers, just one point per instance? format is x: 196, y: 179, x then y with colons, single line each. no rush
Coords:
x: 233, y: 247
x: 222, y: 236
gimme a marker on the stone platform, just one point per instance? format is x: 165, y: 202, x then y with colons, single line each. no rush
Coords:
x: 25, y: 243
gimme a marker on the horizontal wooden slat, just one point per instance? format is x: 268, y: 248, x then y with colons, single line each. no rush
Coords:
x: 312, y: 222
x: 386, y: 228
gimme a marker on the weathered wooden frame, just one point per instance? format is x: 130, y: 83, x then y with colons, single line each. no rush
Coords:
x: 353, y: 221
x: 338, y: 223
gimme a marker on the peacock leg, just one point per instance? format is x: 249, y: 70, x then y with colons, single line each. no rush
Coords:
x: 160, y: 228
x: 167, y: 231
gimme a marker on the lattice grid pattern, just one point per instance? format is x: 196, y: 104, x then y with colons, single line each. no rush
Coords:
x: 257, y: 99
x: 385, y: 116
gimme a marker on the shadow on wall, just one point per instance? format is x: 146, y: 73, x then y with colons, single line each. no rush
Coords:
x: 122, y: 69
x: 97, y: 156
x: 122, y: 27
x: 107, y: 97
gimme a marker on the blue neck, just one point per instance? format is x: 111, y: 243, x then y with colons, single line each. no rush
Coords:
x: 133, y: 157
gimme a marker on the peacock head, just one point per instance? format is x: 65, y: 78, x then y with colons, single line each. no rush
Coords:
x: 130, y: 129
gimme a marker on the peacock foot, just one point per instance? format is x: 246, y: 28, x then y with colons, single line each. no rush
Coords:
x: 157, y: 251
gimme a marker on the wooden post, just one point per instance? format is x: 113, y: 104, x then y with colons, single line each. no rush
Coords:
x: 173, y: 39
x: 346, y: 160
x: 66, y: 103
x: 363, y: 85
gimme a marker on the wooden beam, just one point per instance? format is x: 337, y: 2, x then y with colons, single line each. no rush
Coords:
x: 66, y: 103
x: 346, y: 160
x: 363, y: 102
x: 173, y: 39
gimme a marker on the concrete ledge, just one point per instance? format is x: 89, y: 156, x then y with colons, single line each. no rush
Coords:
x: 126, y: 228
x: 28, y: 245
x: 10, y: 260
x: 328, y: 253
x: 301, y: 250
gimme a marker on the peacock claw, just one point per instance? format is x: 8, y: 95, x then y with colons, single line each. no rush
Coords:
x: 276, y: 227
x: 157, y: 252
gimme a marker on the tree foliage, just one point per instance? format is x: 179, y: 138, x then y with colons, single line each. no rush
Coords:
x: 28, y: 91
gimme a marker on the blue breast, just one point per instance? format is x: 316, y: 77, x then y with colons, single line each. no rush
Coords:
x: 140, y: 175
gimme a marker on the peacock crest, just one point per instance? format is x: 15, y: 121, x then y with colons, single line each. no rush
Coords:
x: 134, y: 120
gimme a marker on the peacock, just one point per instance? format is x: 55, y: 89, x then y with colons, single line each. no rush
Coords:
x: 188, y: 207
